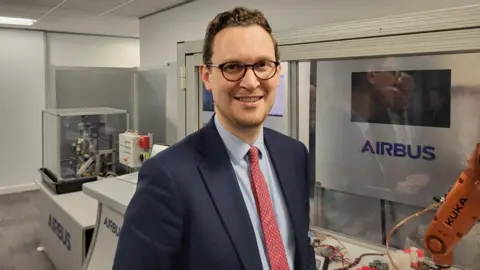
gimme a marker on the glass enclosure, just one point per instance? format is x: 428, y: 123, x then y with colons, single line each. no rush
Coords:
x: 82, y: 142
x: 388, y: 135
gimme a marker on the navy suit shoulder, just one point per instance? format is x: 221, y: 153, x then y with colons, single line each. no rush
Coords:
x: 151, y: 236
x: 188, y: 212
x: 287, y: 140
x: 289, y: 144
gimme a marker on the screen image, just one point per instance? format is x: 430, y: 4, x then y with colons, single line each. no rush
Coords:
x: 411, y: 97
x: 279, y: 105
x: 277, y: 109
x: 207, y: 99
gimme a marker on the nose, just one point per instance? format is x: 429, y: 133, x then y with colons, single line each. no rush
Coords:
x: 250, y: 80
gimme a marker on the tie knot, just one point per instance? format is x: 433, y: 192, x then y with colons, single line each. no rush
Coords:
x: 253, y: 153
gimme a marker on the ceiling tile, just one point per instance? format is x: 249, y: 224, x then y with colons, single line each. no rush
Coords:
x: 48, y: 3
x: 22, y: 10
x: 131, y: 11
x: 93, y: 5
x: 155, y: 4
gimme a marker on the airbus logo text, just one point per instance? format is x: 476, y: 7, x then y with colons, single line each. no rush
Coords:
x: 425, y: 152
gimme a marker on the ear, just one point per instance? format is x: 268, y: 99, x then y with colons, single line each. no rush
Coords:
x: 205, y: 75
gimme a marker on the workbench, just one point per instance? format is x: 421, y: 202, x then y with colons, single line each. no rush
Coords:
x: 67, y: 224
x: 112, y: 196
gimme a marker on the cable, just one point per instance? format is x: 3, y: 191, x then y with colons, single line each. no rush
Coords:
x: 334, y: 257
x: 357, y: 260
x: 432, y: 206
x: 342, y: 246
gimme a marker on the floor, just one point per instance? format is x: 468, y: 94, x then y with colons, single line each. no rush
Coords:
x: 19, y: 233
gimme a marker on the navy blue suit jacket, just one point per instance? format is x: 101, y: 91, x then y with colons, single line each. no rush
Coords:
x: 188, y: 211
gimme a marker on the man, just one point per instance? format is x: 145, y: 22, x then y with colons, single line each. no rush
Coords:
x: 233, y: 195
x: 438, y: 115
x: 401, y: 112
x: 372, y: 93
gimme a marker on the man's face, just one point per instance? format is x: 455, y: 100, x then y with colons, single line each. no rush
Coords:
x: 388, y: 96
x: 404, y: 99
x: 383, y: 79
x: 247, y: 102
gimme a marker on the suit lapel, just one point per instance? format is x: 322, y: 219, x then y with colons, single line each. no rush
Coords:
x: 221, y: 182
x: 287, y: 177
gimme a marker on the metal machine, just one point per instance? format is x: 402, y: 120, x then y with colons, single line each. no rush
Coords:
x: 457, y: 213
x: 88, y: 158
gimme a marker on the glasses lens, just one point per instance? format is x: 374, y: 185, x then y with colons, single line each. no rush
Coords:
x: 265, y: 69
x: 233, y: 71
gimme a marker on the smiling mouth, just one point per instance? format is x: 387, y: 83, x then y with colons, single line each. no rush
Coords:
x: 248, y: 99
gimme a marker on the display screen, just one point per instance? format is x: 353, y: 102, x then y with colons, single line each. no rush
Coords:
x: 407, y: 97
x: 207, y: 99
x: 277, y: 109
x: 279, y: 105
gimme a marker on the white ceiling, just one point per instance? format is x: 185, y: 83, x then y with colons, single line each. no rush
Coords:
x: 81, y: 16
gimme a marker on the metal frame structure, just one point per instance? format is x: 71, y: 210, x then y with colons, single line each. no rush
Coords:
x: 451, y: 30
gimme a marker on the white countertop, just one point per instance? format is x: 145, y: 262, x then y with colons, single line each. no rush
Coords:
x: 82, y: 208
x: 113, y: 192
x: 131, y: 177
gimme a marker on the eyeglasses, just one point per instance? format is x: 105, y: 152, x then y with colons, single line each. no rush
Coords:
x: 234, y: 72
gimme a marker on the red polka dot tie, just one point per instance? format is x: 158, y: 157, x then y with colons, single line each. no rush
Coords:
x: 273, y: 240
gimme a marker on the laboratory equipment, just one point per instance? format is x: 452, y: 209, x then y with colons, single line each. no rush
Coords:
x: 79, y: 145
x: 134, y: 148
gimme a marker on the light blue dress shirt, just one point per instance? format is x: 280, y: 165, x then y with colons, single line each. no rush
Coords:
x: 238, y: 152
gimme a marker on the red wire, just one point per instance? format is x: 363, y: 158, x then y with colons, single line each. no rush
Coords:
x: 336, y: 250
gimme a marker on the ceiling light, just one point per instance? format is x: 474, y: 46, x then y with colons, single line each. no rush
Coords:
x: 16, y: 21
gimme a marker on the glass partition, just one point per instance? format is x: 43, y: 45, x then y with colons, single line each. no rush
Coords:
x: 150, y: 100
x: 79, y: 87
x: 386, y: 136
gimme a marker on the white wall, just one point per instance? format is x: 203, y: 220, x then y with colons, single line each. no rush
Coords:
x: 93, y: 51
x: 23, y: 62
x: 22, y: 97
x: 159, y: 34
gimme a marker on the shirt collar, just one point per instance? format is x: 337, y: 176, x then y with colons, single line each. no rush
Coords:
x: 236, y: 148
x: 396, y: 117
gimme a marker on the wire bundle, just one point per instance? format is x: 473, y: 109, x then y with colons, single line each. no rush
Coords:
x: 357, y: 260
x: 333, y: 254
x: 337, y: 253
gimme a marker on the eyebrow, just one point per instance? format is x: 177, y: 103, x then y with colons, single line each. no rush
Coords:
x: 236, y: 60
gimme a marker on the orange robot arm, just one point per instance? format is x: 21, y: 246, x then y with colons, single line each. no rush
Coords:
x: 458, y: 212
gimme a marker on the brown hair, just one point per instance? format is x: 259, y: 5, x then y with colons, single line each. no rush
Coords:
x: 239, y: 16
